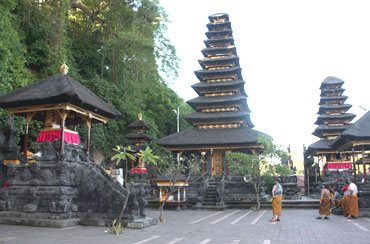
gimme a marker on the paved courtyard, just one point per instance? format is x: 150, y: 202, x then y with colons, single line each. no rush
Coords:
x: 201, y: 227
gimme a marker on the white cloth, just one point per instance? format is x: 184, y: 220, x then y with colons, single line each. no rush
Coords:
x: 352, y: 187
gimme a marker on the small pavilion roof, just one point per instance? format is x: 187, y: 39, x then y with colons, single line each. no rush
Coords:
x: 58, y: 89
x: 203, y: 86
x: 326, y: 117
x: 322, y: 144
x: 233, y: 70
x: 331, y: 80
x: 324, y: 107
x: 138, y: 136
x: 324, y: 99
x: 194, y: 137
x: 139, y: 124
x: 359, y: 131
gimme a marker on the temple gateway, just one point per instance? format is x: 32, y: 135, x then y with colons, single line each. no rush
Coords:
x: 221, y: 121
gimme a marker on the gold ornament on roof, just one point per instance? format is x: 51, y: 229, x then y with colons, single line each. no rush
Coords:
x: 140, y: 116
x: 63, y: 69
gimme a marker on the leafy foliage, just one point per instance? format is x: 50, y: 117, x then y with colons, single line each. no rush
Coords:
x: 114, y: 48
x: 258, y: 167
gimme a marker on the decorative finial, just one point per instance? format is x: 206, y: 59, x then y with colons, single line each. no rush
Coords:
x: 63, y: 69
x: 140, y: 116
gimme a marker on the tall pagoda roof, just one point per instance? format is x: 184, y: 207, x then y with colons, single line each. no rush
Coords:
x: 219, y: 85
x: 322, y: 144
x: 219, y: 116
x: 217, y: 50
x: 139, y: 124
x: 331, y: 80
x: 326, y: 128
x: 210, y: 61
x: 324, y: 107
x: 209, y: 42
x: 216, y: 137
x: 213, y: 17
x: 204, y: 72
x: 324, y: 91
x: 223, y: 33
x: 220, y: 100
x: 58, y: 89
x: 334, y: 98
x: 327, y: 117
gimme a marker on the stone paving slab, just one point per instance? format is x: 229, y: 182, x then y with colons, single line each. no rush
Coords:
x: 233, y: 226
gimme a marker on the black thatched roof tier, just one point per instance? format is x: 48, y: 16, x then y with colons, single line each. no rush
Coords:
x: 209, y: 42
x: 322, y: 144
x: 219, y: 50
x: 326, y: 128
x: 221, y: 34
x: 325, y: 91
x: 218, y: 116
x: 220, y: 100
x: 214, y: 26
x: 58, y: 89
x: 138, y: 136
x: 216, y: 16
x: 358, y: 131
x: 139, y: 124
x: 233, y: 70
x: 204, y: 86
x: 194, y: 137
x: 336, y: 98
x: 344, y: 107
x: 138, y: 148
x: 211, y: 61
x: 331, y: 80
x: 326, y: 117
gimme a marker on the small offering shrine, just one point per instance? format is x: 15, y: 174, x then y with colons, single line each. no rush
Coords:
x: 172, y: 192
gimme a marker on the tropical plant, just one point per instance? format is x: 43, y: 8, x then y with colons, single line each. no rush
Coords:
x: 255, y: 167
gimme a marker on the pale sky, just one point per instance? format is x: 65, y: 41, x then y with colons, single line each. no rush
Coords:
x: 286, y: 49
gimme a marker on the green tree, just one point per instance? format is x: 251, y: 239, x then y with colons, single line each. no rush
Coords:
x: 255, y: 167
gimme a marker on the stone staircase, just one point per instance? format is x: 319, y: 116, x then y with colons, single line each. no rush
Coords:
x: 210, y: 197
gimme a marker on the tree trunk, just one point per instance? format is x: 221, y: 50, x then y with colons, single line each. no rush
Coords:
x: 256, y: 188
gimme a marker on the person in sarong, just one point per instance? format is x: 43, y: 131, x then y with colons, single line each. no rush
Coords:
x: 277, y: 193
x: 325, y: 203
x: 352, y: 200
x: 345, y: 199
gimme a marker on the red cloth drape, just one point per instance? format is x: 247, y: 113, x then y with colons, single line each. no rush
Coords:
x: 139, y: 170
x: 51, y: 135
x: 344, y: 165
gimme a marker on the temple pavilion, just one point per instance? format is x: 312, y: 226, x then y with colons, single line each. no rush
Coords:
x: 221, y: 121
x: 333, y: 119
x: 60, y: 103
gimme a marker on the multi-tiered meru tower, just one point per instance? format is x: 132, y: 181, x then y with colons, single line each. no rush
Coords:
x: 333, y: 119
x: 221, y: 122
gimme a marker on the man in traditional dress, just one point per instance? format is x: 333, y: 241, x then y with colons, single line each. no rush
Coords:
x: 325, y: 203
x: 352, y: 201
x: 277, y: 193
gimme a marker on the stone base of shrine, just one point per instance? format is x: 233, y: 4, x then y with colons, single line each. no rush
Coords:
x: 38, y: 219
x: 140, y: 223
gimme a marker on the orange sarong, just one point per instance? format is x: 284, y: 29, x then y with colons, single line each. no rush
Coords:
x: 325, y: 206
x: 276, y: 205
x: 345, y: 205
x: 353, y: 205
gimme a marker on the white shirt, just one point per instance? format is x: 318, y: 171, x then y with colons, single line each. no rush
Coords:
x: 352, y: 187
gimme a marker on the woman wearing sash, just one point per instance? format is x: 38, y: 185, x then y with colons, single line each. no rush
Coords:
x: 325, y: 203
x: 352, y: 200
x: 277, y: 193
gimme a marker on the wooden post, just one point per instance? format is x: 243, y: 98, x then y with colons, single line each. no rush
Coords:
x: 63, y: 115
x: 364, y: 165
x: 88, y: 124
x: 203, y: 156
x: 308, y: 181
x: 25, y: 140
x: 354, y: 164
